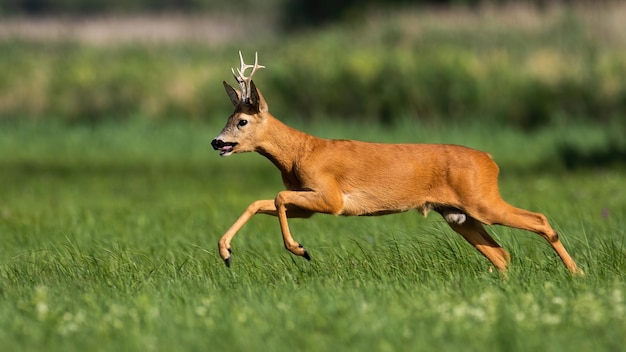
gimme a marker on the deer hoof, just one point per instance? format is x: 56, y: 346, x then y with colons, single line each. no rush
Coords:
x: 227, y: 260
x: 305, y: 254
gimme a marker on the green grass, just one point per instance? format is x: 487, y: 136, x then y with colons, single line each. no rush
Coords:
x: 109, y: 243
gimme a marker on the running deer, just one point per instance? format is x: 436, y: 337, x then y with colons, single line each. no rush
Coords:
x: 347, y: 177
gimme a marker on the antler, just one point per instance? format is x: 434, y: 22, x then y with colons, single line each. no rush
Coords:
x: 244, y: 82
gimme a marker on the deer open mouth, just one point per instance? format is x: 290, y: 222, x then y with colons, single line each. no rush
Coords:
x: 225, y: 148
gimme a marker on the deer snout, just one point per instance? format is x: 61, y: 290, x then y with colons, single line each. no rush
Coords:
x: 225, y: 148
x: 217, y: 144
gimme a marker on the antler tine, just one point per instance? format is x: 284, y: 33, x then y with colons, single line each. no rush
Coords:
x: 244, y: 82
x: 256, y: 64
x: 240, y: 77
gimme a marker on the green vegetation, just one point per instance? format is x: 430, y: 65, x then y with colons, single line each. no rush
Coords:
x: 537, y: 71
x: 109, y: 240
x: 112, y: 201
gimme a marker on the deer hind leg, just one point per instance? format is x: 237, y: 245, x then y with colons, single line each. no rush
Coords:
x: 257, y: 207
x: 474, y: 232
x: 510, y: 216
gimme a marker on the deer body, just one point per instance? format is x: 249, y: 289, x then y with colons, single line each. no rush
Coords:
x: 361, y: 178
x: 353, y: 178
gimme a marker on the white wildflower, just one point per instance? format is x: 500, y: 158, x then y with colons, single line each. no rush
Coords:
x: 201, y: 310
x: 551, y: 319
x: 42, y: 310
x: 559, y: 301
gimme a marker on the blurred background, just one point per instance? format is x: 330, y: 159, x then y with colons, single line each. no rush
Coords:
x: 524, y: 65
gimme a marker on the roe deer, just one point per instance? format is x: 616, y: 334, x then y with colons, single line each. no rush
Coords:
x: 347, y: 177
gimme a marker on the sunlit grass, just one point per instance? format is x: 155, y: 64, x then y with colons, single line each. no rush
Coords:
x: 109, y: 242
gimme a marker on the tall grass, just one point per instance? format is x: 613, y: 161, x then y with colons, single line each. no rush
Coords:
x: 109, y: 243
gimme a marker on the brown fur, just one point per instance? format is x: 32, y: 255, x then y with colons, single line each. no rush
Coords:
x: 347, y: 177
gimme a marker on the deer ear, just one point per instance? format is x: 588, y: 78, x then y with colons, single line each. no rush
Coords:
x: 256, y: 99
x: 233, y: 94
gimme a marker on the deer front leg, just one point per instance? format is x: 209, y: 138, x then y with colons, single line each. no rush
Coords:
x: 257, y: 207
x: 310, y: 201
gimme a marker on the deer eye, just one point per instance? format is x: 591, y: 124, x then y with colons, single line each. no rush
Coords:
x: 242, y: 123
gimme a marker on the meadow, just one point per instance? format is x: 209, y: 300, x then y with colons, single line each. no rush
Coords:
x: 112, y: 199
x: 109, y: 243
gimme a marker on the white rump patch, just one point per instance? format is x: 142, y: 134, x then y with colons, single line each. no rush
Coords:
x: 454, y: 216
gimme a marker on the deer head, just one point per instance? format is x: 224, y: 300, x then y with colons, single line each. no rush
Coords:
x: 244, y: 127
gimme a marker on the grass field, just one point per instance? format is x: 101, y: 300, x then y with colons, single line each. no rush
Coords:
x: 109, y: 243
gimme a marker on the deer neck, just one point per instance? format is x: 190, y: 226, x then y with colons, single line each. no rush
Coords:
x: 283, y: 145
